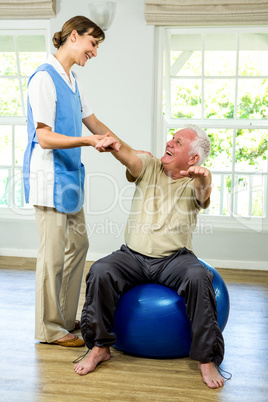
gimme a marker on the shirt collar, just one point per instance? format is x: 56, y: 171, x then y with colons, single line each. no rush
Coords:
x: 58, y: 67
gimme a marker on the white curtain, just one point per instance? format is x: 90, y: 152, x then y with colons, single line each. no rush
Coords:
x: 27, y: 9
x: 206, y: 12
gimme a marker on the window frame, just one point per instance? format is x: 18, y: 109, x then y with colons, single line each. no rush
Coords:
x: 21, y: 27
x: 161, y: 124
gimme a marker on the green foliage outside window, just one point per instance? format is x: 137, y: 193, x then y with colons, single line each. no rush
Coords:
x: 20, y: 55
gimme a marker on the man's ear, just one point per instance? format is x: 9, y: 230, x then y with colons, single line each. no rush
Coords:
x: 193, y: 159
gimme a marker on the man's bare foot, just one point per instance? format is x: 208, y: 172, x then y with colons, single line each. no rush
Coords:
x: 210, y: 375
x: 91, y: 361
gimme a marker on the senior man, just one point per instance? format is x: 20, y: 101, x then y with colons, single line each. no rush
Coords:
x: 158, y: 249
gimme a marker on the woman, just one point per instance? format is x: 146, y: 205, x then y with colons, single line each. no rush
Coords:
x: 54, y: 177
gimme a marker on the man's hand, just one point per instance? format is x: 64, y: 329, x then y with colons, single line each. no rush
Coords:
x: 202, y: 182
x: 106, y: 143
x: 196, y: 172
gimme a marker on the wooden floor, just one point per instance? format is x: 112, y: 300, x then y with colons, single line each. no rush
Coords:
x: 30, y: 371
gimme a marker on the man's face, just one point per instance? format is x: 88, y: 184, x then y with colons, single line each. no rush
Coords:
x: 176, y: 157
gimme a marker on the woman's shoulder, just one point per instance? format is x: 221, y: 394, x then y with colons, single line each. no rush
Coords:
x: 41, y: 78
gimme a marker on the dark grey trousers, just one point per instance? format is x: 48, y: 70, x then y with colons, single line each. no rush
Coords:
x: 117, y: 273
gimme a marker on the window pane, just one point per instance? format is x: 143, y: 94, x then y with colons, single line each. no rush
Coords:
x: 251, y: 150
x: 249, y: 195
x: 20, y: 143
x: 220, y: 196
x: 6, y: 145
x: 32, y: 52
x: 185, y: 55
x: 258, y: 195
x: 252, y: 99
x: 24, y: 83
x: 8, y: 65
x: 221, y: 149
x: 31, y: 43
x: 242, y: 195
x: 7, y: 56
x: 18, y: 186
x: 186, y: 98
x: 30, y: 61
x: 171, y: 132
x: 253, y: 54
x: 10, y: 97
x: 214, y: 207
x: 219, y: 99
x: 4, y: 184
x: 220, y: 54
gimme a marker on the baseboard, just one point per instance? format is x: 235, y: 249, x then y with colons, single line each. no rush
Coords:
x: 91, y: 256
x: 229, y: 264
x: 28, y: 253
x: 10, y: 252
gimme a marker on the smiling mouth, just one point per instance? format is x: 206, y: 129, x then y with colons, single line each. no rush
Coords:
x: 87, y: 56
x: 169, y: 153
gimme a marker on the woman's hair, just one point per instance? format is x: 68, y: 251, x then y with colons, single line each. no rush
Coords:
x: 81, y: 25
x: 201, y: 145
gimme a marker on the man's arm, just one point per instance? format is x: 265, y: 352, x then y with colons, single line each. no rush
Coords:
x: 202, y: 182
x: 126, y: 155
x: 97, y: 127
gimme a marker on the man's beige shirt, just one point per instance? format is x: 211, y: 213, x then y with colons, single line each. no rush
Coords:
x: 163, y: 213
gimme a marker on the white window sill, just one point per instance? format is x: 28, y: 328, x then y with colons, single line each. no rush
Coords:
x: 227, y: 223
x: 205, y: 223
x: 17, y: 214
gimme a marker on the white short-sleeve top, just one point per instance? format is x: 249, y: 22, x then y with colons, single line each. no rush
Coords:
x: 43, y: 99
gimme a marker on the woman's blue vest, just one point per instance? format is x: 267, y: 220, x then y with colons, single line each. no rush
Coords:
x: 69, y: 172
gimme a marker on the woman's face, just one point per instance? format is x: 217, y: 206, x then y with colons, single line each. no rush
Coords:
x: 86, y: 47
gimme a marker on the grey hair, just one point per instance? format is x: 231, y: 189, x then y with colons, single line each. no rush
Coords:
x: 201, y: 145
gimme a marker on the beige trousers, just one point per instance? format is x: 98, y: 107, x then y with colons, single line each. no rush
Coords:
x: 59, y: 271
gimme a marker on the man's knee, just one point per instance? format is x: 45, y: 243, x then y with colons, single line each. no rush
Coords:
x: 99, y: 270
x: 200, y: 274
x: 198, y: 277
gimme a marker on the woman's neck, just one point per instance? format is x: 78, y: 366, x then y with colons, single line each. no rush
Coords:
x: 64, y: 60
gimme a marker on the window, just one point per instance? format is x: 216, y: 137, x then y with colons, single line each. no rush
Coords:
x: 218, y: 80
x: 21, y: 51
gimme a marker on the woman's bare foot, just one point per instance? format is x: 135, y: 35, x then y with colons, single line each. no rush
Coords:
x: 96, y: 356
x: 210, y: 375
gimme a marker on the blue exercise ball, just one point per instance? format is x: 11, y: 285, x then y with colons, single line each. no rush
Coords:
x: 151, y: 319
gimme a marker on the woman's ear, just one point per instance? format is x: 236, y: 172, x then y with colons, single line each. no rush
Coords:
x: 73, y: 35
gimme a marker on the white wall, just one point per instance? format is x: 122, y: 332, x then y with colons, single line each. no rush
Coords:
x: 119, y: 87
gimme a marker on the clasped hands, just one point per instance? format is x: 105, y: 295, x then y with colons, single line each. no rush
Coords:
x: 107, y: 143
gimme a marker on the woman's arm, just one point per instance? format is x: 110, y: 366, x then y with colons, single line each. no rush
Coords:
x: 96, y: 126
x: 48, y: 139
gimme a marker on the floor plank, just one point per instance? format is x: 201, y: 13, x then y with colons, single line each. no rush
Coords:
x: 30, y: 371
